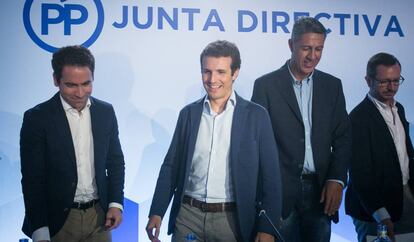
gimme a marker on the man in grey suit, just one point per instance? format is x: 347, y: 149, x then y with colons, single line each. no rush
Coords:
x: 312, y: 131
x: 222, y: 164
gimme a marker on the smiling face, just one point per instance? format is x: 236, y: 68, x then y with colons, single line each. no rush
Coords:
x: 306, y: 54
x: 75, y: 85
x: 384, y: 94
x: 218, y: 78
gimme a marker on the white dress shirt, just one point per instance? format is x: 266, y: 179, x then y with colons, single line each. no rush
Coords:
x: 396, y: 128
x: 81, y: 131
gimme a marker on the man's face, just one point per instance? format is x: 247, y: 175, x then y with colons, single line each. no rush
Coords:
x: 75, y: 86
x: 306, y: 53
x: 217, y: 77
x: 386, y: 91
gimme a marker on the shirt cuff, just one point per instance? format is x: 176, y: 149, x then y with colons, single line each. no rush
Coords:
x: 116, y: 205
x: 338, y: 181
x: 381, y: 214
x: 41, y: 233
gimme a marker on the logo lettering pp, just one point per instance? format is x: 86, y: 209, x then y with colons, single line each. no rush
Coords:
x: 52, y: 24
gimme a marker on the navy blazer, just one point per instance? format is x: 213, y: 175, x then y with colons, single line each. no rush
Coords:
x: 253, y: 160
x: 375, y: 172
x: 48, y: 162
x: 330, y: 134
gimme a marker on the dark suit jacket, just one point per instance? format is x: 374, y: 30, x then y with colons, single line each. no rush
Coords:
x: 48, y: 162
x: 375, y: 173
x: 330, y: 134
x: 253, y: 161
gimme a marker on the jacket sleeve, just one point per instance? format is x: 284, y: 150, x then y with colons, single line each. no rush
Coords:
x: 168, y: 176
x: 363, y: 166
x: 341, y: 140
x: 259, y: 95
x: 115, y: 165
x: 33, y: 168
x: 270, y: 179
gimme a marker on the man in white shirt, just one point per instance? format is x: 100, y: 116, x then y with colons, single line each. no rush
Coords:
x: 222, y: 164
x: 71, y: 158
x: 382, y: 167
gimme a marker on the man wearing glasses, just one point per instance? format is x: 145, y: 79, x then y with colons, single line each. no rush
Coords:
x: 382, y: 166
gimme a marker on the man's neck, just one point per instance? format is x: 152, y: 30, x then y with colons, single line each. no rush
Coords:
x: 295, y: 73
x: 218, y: 105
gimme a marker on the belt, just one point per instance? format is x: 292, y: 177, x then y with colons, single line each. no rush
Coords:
x: 209, y: 207
x: 311, y: 176
x: 86, y: 205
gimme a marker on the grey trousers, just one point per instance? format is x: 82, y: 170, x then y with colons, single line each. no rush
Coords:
x: 208, y: 227
x: 84, y: 226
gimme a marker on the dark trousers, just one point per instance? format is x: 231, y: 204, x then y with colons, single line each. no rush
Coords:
x: 307, y: 222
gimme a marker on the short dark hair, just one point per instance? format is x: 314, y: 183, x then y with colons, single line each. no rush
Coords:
x: 306, y: 25
x: 74, y: 55
x: 223, y: 48
x: 380, y: 59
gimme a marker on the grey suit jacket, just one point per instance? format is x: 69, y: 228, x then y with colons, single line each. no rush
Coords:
x: 330, y: 134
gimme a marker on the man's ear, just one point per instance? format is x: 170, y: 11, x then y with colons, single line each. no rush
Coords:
x: 369, y: 81
x: 235, y: 74
x: 290, y: 43
x: 55, y: 80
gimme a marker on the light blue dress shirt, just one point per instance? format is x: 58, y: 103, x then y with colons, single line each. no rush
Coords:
x: 303, y: 92
x: 210, y: 174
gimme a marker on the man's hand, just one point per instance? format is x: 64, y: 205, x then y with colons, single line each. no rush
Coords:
x: 332, y: 196
x: 390, y: 228
x: 264, y: 237
x: 113, y: 218
x: 153, y: 222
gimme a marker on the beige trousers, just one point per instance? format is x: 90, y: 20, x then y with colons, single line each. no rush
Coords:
x: 84, y: 226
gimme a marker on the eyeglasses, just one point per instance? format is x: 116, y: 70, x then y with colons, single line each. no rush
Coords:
x: 385, y: 83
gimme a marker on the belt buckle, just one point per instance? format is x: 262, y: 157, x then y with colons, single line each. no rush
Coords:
x: 78, y: 205
x: 203, y: 207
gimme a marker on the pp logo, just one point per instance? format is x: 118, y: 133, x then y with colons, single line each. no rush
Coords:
x: 53, y: 24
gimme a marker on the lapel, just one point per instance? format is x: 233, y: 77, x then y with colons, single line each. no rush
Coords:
x: 62, y: 126
x: 380, y: 123
x: 318, y: 102
x: 285, y: 87
x: 237, y: 129
x: 194, y: 124
x: 97, y: 128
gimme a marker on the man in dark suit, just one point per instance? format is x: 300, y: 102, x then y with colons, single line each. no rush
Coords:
x: 382, y: 165
x: 71, y: 159
x: 312, y: 131
x: 222, y: 163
